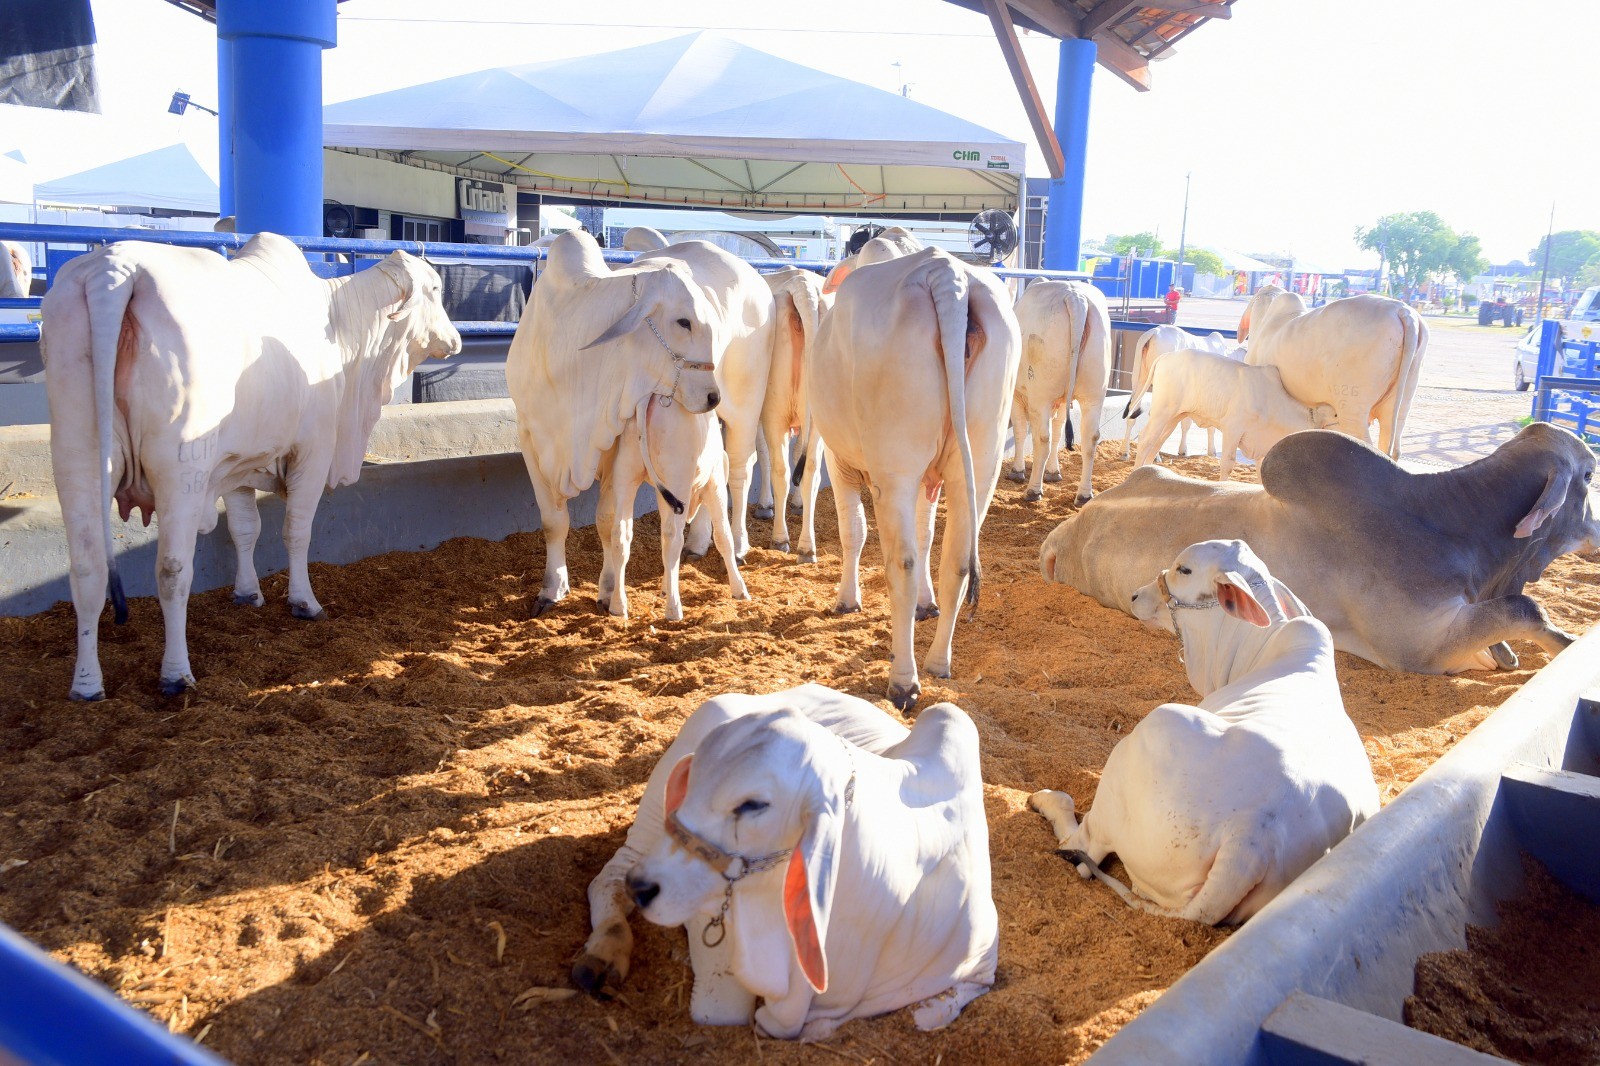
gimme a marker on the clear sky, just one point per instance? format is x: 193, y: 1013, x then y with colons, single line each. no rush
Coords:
x: 1298, y: 120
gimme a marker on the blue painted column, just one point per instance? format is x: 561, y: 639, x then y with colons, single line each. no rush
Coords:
x: 1063, y: 226
x: 276, y: 95
x: 225, y: 123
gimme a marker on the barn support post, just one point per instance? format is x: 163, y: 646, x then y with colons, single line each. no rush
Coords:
x: 1063, y: 227
x: 225, y: 118
x: 276, y: 123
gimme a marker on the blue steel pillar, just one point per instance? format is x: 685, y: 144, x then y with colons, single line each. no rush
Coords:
x: 276, y: 95
x: 1063, y: 225
x: 225, y: 123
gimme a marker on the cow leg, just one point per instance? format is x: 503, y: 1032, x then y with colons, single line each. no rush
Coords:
x: 244, y: 529
x: 954, y: 552
x: 179, y: 525
x: 1059, y: 421
x: 83, y: 510
x: 927, y: 602
x: 1071, y: 835
x: 722, y: 532
x: 776, y: 440
x: 895, y: 504
x: 1042, y: 433
x: 852, y: 533
x: 1183, y: 437
x: 1089, y: 441
x: 1478, y: 626
x: 698, y: 540
x: 766, y: 496
x: 810, y: 481
x: 1230, y: 452
x: 717, y: 996
x: 1211, y: 443
x: 1156, y: 431
x: 555, y: 520
x: 936, y: 1012
x: 1021, y: 433
x: 672, y: 527
x: 741, y: 446
x: 614, y: 517
x: 1239, y: 866
x: 300, y: 509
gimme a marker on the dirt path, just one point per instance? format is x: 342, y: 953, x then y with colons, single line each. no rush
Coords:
x: 317, y: 857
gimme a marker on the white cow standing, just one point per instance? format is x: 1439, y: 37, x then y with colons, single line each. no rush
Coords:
x: 854, y: 861
x: 744, y: 312
x: 1363, y: 355
x: 1248, y: 404
x: 800, y: 305
x: 1153, y: 344
x: 681, y: 454
x: 914, y: 369
x: 1066, y: 356
x: 593, y: 345
x: 176, y: 376
x: 1215, y: 808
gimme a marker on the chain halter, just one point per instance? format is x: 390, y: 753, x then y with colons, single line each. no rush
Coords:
x: 679, y: 363
x: 1174, y: 605
x: 734, y: 867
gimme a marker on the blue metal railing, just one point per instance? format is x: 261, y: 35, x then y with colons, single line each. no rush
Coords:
x: 226, y: 242
x: 1566, y: 382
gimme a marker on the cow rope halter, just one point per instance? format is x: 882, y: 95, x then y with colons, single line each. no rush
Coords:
x: 733, y: 867
x: 1174, y: 605
x: 679, y: 363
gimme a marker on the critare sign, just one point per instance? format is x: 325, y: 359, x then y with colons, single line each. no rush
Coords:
x: 481, y: 201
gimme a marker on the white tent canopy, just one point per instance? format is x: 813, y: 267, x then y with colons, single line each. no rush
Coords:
x: 698, y: 120
x: 169, y: 179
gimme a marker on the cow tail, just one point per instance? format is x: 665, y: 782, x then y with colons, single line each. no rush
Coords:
x: 107, y: 296
x: 650, y: 467
x: 1405, y: 378
x: 1141, y: 388
x: 1077, y: 339
x: 1140, y: 346
x: 948, y: 283
x: 808, y: 309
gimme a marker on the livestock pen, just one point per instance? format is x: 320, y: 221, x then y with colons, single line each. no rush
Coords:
x: 369, y: 839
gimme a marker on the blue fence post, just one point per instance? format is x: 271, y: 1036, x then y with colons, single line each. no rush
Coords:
x: 1549, y: 345
x: 1063, y: 220
x: 277, y: 111
x: 225, y: 117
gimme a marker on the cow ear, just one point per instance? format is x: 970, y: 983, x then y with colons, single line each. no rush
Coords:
x: 678, y: 784
x: 1288, y: 602
x: 1233, y: 593
x: 1549, y: 502
x: 634, y: 316
x: 808, y: 887
x: 410, y: 292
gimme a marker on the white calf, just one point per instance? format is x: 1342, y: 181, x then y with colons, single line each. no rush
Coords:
x: 822, y: 858
x: 1214, y: 809
x: 680, y: 453
x: 1247, y: 403
x: 1152, y: 345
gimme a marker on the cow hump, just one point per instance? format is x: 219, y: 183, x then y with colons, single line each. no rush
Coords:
x: 1323, y: 467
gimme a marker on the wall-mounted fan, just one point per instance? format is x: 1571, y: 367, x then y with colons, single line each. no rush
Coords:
x: 338, y: 220
x: 992, y: 234
x: 860, y: 237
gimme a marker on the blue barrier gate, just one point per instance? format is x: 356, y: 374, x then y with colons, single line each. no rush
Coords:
x: 1566, y: 384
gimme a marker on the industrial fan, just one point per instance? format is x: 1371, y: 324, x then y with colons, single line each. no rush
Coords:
x: 992, y: 234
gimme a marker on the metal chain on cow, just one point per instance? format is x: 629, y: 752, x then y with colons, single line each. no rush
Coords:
x: 735, y: 868
x: 1174, y: 605
x: 679, y: 363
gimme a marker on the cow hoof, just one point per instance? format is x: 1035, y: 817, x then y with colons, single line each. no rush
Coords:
x: 92, y: 697
x: 1504, y: 657
x: 304, y: 611
x: 540, y: 605
x: 1052, y: 476
x: 797, y: 509
x: 808, y: 557
x: 176, y: 686
x: 846, y: 608
x: 592, y: 974
x: 1032, y: 495
x: 690, y: 553
x: 1081, y: 500
x: 784, y: 547
x: 762, y: 513
x: 904, y: 697
x: 739, y: 560
x: 1016, y: 475
x: 241, y: 599
x: 925, y: 612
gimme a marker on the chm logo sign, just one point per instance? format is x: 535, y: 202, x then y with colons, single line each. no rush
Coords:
x: 966, y: 155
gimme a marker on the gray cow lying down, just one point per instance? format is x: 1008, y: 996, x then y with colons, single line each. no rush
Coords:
x: 1418, y: 572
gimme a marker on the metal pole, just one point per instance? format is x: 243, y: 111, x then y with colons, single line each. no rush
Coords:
x: 1538, y: 315
x: 1183, y: 228
x: 1063, y: 224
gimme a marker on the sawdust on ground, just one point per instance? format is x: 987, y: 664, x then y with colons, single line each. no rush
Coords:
x: 362, y: 839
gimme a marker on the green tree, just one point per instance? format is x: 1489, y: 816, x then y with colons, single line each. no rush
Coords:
x: 1204, y: 262
x: 1466, y: 260
x: 1571, y: 251
x: 1146, y: 243
x: 1414, y: 244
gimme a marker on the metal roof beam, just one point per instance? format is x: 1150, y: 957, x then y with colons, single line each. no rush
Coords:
x: 1006, y: 34
x: 1107, y: 14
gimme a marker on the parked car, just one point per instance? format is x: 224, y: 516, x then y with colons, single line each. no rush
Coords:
x: 1526, y: 366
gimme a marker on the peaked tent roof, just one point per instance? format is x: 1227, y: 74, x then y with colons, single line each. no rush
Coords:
x: 169, y: 179
x: 698, y: 119
x: 16, y: 178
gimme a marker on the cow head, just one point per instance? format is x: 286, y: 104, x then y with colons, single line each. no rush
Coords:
x: 676, y: 332
x: 425, y: 331
x: 1562, y: 517
x: 769, y: 790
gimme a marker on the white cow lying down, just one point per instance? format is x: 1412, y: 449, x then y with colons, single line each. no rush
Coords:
x: 1247, y: 403
x: 855, y: 859
x: 1215, y: 809
x: 680, y: 453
